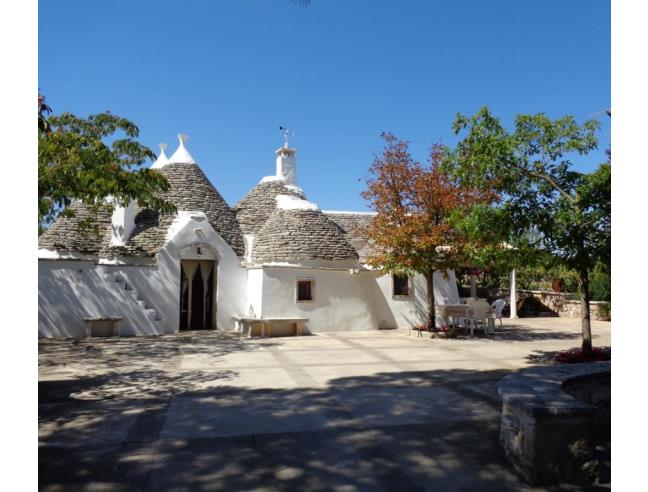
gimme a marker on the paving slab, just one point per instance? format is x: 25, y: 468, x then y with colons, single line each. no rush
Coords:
x: 239, y: 413
x: 379, y: 410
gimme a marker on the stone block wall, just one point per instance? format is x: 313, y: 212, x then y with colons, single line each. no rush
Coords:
x: 552, y: 420
x: 563, y: 304
x: 572, y: 309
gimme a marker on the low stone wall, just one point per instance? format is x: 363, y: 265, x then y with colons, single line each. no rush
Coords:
x: 552, y: 419
x: 563, y: 304
x: 572, y: 309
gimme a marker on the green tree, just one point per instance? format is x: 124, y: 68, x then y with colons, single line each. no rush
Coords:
x: 541, y: 191
x: 91, y: 159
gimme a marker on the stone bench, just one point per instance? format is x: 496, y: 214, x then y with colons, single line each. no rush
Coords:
x: 106, y: 326
x: 263, y: 325
x: 549, y: 435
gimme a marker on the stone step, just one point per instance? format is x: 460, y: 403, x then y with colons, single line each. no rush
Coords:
x: 150, y: 313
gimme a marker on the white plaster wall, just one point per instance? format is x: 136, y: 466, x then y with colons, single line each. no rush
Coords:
x: 163, y: 284
x: 400, y: 313
x: 445, y: 288
x: 343, y: 302
x: 68, y: 291
x: 255, y: 292
x: 403, y: 313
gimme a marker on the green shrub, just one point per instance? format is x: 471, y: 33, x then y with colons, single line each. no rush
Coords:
x: 605, y: 310
x: 600, y: 285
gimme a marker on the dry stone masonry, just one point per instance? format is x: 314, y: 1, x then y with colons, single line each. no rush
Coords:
x: 301, y: 235
x: 257, y: 206
x: 552, y: 418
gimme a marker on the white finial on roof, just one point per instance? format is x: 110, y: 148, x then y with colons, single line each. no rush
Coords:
x: 182, y: 155
x: 162, y: 158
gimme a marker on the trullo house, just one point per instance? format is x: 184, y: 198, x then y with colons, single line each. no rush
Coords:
x: 273, y: 256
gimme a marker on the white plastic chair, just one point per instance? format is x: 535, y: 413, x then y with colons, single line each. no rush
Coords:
x: 498, y: 306
x: 480, y: 311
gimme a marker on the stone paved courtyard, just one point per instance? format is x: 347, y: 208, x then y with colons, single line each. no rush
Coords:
x: 379, y: 410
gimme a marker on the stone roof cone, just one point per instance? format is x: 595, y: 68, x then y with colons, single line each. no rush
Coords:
x: 190, y: 191
x: 257, y: 206
x: 298, y: 230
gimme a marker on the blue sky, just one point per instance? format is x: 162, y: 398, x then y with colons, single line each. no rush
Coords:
x: 340, y: 72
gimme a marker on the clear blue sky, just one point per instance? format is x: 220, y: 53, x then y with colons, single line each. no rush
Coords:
x: 229, y: 72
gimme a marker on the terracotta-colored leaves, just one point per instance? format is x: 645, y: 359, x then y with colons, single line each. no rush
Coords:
x: 415, y: 203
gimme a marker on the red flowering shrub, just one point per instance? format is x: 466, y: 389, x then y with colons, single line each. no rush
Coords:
x: 577, y: 355
x: 424, y: 327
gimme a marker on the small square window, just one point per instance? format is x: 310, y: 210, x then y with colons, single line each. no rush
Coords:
x: 305, y: 290
x: 401, y: 284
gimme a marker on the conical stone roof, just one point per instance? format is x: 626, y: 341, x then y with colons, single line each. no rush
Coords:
x: 351, y: 224
x: 190, y: 191
x: 255, y: 208
x: 301, y: 234
x: 66, y: 234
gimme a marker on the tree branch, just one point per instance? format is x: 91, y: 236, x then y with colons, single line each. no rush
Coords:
x: 546, y: 178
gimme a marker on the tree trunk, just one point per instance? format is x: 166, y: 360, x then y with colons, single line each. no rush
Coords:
x: 586, y: 327
x: 430, y: 295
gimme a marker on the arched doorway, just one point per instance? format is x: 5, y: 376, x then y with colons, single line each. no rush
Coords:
x: 198, y: 294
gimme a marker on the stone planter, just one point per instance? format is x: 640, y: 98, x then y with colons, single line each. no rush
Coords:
x: 552, y: 418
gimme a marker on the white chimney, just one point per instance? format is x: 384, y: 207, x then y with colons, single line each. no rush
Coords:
x: 123, y: 223
x: 287, y: 164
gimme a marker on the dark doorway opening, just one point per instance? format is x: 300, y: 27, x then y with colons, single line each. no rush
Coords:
x: 197, y: 306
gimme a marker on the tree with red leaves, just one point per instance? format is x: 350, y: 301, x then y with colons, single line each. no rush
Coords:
x: 416, y: 206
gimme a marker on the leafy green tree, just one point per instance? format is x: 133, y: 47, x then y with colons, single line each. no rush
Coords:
x: 43, y: 111
x: 531, y: 168
x: 91, y: 159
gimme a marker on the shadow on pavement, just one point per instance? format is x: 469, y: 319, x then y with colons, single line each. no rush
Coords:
x: 434, y: 430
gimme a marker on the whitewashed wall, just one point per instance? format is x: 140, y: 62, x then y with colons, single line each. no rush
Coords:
x: 69, y: 291
x: 66, y: 295
x: 165, y: 284
x: 254, y: 293
x: 342, y: 301
x: 400, y: 313
x: 403, y: 313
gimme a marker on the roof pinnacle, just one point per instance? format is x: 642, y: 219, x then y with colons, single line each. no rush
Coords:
x: 162, y: 158
x: 182, y: 155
